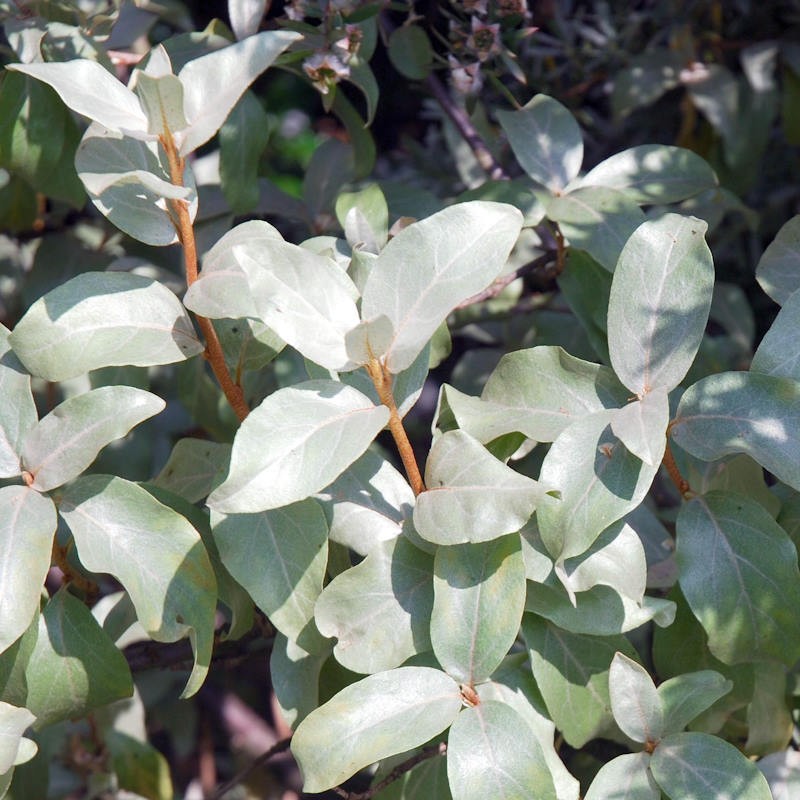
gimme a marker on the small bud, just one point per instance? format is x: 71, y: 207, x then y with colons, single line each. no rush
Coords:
x: 325, y: 71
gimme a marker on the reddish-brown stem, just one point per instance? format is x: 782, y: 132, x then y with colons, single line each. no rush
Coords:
x: 672, y: 468
x: 382, y: 379
x: 183, y: 225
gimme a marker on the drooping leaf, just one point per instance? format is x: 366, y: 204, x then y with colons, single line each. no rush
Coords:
x: 635, y: 703
x: 627, y: 777
x: 193, y: 468
x: 742, y: 412
x: 460, y: 475
x: 456, y: 252
x: 27, y: 525
x: 546, y: 140
x: 696, y: 766
x: 598, y: 479
x: 154, y: 552
x: 686, y: 696
x: 66, y: 441
x: 739, y: 573
x: 653, y: 173
x: 778, y: 269
x: 17, y: 411
x: 379, y: 610
x: 659, y: 303
x: 487, y: 756
x: 314, y: 431
x: 100, y: 319
x: 74, y: 667
x: 13, y: 723
x: 596, y: 219
x: 279, y: 557
x: 778, y: 352
x: 479, y: 596
x: 642, y: 426
x: 377, y: 717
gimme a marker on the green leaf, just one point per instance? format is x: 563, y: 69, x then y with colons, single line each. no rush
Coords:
x: 13, y: 723
x: 487, y: 756
x: 362, y: 76
x: 627, y: 777
x: 696, y: 766
x: 598, y: 479
x: 742, y: 412
x: 17, y: 412
x: 213, y: 84
x: 546, y: 140
x: 653, y: 173
x: 686, y: 696
x: 642, y: 426
x: 460, y: 475
x: 635, y: 703
x: 305, y: 298
x: 242, y: 140
x: 161, y: 98
x: 571, y: 672
x: 647, y: 77
x: 294, y: 676
x: 778, y: 352
x: 778, y: 269
x: 738, y: 571
x: 194, y: 467
x: 74, y: 666
x: 139, y: 768
x: 659, y: 303
x: 377, y: 717
x: 364, y: 216
x: 101, y: 319
x: 128, y: 181
x: 154, y: 552
x: 315, y: 431
x: 279, y: 557
x: 426, y: 780
x: 65, y: 442
x: 457, y: 252
x: 27, y: 525
x: 479, y: 596
x: 782, y: 771
x: 596, y: 219
x: 410, y: 52
x: 379, y: 610
x: 770, y: 722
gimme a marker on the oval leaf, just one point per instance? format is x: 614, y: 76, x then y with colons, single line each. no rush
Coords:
x: 312, y: 431
x: 627, y: 777
x: 778, y: 270
x: 779, y: 351
x: 17, y: 411
x: 635, y: 703
x: 103, y: 319
x: 686, y: 696
x: 659, y: 303
x: 377, y: 717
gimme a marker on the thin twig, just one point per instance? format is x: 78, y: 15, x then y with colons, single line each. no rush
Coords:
x: 397, y: 772
x: 500, y: 283
x: 278, y: 747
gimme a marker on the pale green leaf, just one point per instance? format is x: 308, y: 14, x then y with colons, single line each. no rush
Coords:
x: 659, y: 303
x: 487, y: 757
x: 74, y: 667
x: 738, y: 571
x: 279, y: 557
x: 154, y: 552
x: 379, y: 610
x: 13, y: 722
x: 778, y: 270
x: 161, y: 99
x: 140, y: 769
x: 546, y: 140
x: 245, y: 16
x: 456, y: 253
x: 596, y: 219
x: 571, y: 672
x: 364, y: 216
x: 770, y: 720
x: 642, y: 426
x: 479, y: 596
x: 696, y: 766
x: 294, y: 677
x: 295, y: 443
x: 779, y: 351
x: 194, y: 467
x: 212, y: 84
x: 66, y: 441
x: 459, y: 475
x: 377, y: 717
x: 743, y: 412
x: 100, y: 319
x: 598, y: 479
x: 424, y: 781
x: 782, y: 771
x: 27, y: 525
x: 653, y: 173
x: 627, y: 777
x: 686, y: 696
x: 635, y: 703
x: 17, y: 411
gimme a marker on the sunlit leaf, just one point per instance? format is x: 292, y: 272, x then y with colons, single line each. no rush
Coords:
x: 635, y: 703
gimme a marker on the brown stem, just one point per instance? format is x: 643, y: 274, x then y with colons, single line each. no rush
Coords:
x: 672, y: 468
x: 382, y: 379
x: 183, y: 225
